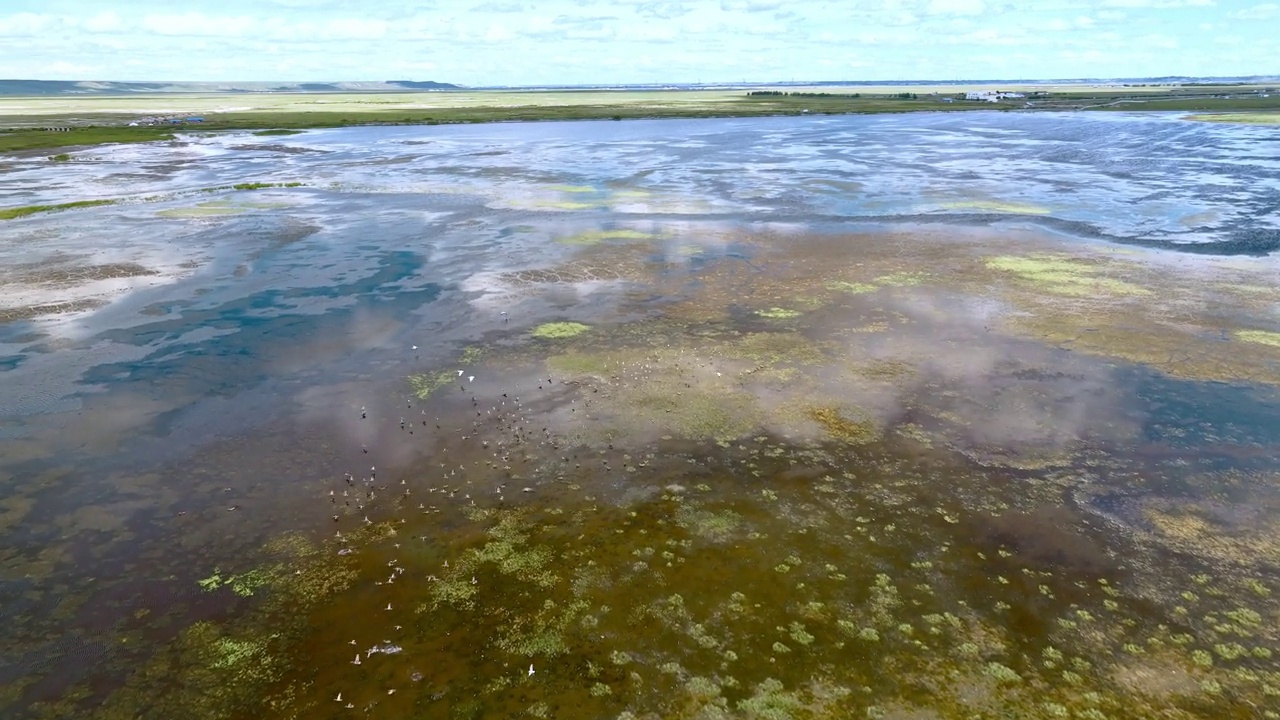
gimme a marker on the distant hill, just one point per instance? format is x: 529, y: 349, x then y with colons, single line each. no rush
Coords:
x: 92, y: 87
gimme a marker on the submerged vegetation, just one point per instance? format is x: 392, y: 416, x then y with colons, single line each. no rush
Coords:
x: 559, y: 330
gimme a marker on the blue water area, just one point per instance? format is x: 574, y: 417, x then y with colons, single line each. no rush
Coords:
x: 1195, y: 414
x: 254, y: 330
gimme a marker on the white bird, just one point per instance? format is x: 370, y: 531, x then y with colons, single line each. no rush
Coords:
x: 388, y: 606
x: 339, y: 698
x: 530, y: 669
x: 414, y: 347
x: 460, y: 373
x: 471, y: 378
x: 357, y: 660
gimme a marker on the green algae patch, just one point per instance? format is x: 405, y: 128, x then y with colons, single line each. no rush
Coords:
x: 559, y: 330
x: 599, y: 236
x: 1063, y: 275
x: 265, y: 185
x: 778, y: 313
x: 694, y: 413
x: 1261, y: 337
x: 576, y: 363
x: 243, y: 584
x: 423, y: 384
x: 839, y: 427
x: 903, y: 279
x: 997, y: 206
x: 13, y: 213
x: 1243, y: 118
x: 855, y: 288
x: 561, y: 205
x: 206, y: 209
x: 708, y: 525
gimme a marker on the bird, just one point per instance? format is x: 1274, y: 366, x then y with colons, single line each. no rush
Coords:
x: 414, y: 347
x: 388, y: 606
x: 471, y: 378
x: 339, y: 698
x: 460, y: 373
x: 357, y: 660
x: 530, y: 669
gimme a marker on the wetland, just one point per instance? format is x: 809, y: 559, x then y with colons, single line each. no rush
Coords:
x: 965, y: 415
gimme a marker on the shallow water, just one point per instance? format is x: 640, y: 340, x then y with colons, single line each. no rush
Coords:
x: 902, y: 417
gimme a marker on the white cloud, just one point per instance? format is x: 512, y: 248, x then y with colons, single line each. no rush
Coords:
x: 750, y: 5
x: 1159, y: 3
x: 25, y: 24
x: 609, y: 40
x: 103, y: 22
x: 498, y: 33
x: 956, y: 7
x: 1265, y: 11
x: 195, y: 24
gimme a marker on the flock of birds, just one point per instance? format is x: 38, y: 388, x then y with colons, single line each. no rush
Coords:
x: 356, y: 496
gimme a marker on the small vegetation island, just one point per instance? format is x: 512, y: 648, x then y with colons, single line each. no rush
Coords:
x: 52, y: 117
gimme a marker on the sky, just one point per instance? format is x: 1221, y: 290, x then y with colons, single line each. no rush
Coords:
x: 513, y: 42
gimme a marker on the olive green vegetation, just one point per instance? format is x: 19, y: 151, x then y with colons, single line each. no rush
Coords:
x: 664, y: 105
x: 425, y: 384
x: 60, y: 157
x: 11, y: 213
x: 202, y: 209
x: 264, y: 185
x: 1063, y: 275
x: 1272, y: 118
x: 559, y: 330
x: 29, y: 139
x: 599, y: 236
x: 1261, y: 337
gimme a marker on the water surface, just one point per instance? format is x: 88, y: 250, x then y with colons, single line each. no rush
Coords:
x: 911, y: 417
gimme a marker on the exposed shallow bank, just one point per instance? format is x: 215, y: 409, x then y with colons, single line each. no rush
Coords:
x: 1245, y: 118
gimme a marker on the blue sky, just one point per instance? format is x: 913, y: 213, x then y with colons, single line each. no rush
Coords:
x: 513, y: 42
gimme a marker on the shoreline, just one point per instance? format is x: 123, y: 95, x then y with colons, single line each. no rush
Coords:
x: 89, y: 126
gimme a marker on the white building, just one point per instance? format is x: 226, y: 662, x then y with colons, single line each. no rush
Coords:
x: 985, y: 95
x: 992, y: 95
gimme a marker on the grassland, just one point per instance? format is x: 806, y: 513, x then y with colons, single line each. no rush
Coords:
x: 103, y: 119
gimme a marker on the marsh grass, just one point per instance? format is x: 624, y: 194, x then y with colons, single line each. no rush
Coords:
x: 12, y: 213
x: 265, y: 185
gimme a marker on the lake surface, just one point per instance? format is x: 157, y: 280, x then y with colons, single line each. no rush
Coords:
x: 919, y: 416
